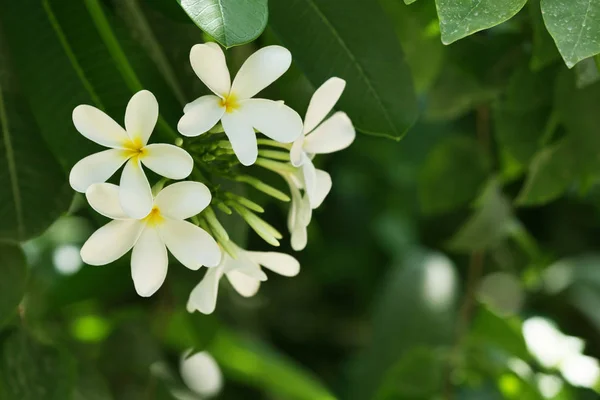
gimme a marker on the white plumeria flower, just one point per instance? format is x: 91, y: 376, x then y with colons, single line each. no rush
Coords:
x: 127, y: 145
x: 334, y: 134
x: 150, y: 237
x: 244, y: 273
x: 201, y: 373
x: 233, y: 104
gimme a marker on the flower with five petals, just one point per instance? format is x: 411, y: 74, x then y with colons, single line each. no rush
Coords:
x: 233, y: 103
x: 244, y: 273
x: 150, y: 237
x: 130, y: 146
x: 321, y: 137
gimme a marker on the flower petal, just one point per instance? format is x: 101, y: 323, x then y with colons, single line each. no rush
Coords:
x: 299, y: 238
x: 273, y: 118
x: 242, y: 137
x: 96, y: 168
x: 310, y: 177
x: 104, y: 198
x: 141, y: 116
x: 260, y: 70
x: 111, y: 242
x: 322, y: 102
x: 242, y: 283
x: 98, y: 127
x: 168, y: 160
x: 134, y: 192
x: 296, y: 151
x: 192, y: 246
x: 208, y: 62
x: 201, y: 373
x: 322, y: 188
x: 200, y: 115
x: 204, y: 296
x: 280, y: 263
x: 183, y: 200
x: 335, y: 134
x: 149, y: 263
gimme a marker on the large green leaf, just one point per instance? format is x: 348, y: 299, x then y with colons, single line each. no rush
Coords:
x: 34, y: 189
x: 329, y: 38
x: 229, y: 22
x: 94, y: 61
x: 575, y: 27
x: 452, y: 174
x: 462, y: 18
x: 30, y: 370
x: 14, y: 277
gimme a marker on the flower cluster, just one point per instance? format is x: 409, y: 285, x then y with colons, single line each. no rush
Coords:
x: 220, y: 133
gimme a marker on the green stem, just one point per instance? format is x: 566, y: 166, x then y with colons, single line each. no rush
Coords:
x: 272, y: 143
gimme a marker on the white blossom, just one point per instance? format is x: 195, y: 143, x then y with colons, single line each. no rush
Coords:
x: 130, y: 146
x: 320, y: 137
x: 201, y: 373
x: 233, y: 103
x: 150, y: 237
x: 244, y: 273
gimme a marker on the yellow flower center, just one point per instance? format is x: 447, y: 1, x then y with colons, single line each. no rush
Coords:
x: 155, y: 217
x: 134, y: 148
x: 230, y: 103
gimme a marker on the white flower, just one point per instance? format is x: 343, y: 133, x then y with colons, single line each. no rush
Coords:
x: 201, y: 373
x: 150, y: 237
x: 233, y: 104
x: 127, y: 145
x: 244, y: 273
x: 334, y: 134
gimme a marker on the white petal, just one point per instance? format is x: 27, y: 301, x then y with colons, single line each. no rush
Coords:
x: 183, y: 200
x: 111, y: 242
x: 204, y: 296
x: 192, y: 246
x: 141, y: 116
x: 281, y: 263
x: 98, y: 127
x: 242, y: 137
x: 310, y: 178
x: 243, y: 284
x: 273, y: 118
x: 96, y: 168
x: 335, y: 134
x: 201, y: 373
x: 134, y: 192
x: 322, y: 188
x: 149, y: 263
x: 244, y: 265
x: 200, y: 115
x: 260, y: 70
x: 168, y: 160
x: 322, y: 102
x: 208, y: 62
x: 296, y: 151
x: 299, y: 238
x: 104, y: 198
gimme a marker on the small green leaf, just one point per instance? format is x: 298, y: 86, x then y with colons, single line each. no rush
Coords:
x: 502, y: 332
x: 14, y: 277
x: 30, y: 370
x: 329, y: 38
x: 452, y: 174
x: 459, y: 19
x: 490, y: 224
x: 575, y: 27
x: 229, y: 22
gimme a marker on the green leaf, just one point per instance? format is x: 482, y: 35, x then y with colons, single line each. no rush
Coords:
x: 34, y: 189
x: 452, y: 175
x: 229, y: 22
x: 14, y: 277
x: 328, y: 38
x: 489, y: 225
x: 575, y: 27
x: 459, y: 19
x: 502, y: 332
x: 544, y: 50
x: 30, y: 370
x: 587, y: 72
